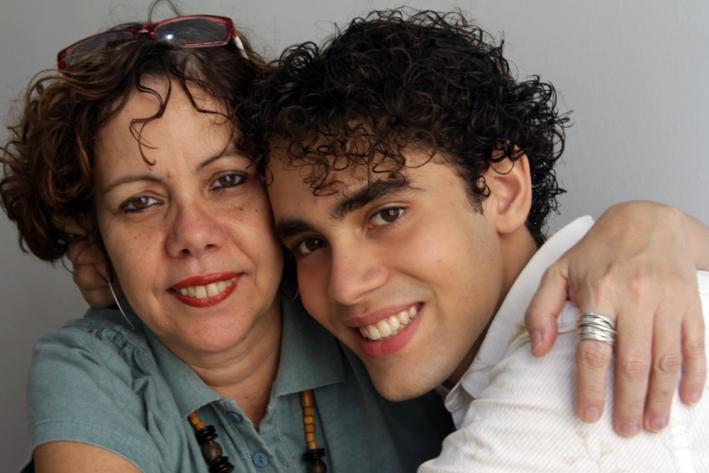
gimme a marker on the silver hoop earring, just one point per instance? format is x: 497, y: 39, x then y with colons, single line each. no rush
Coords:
x: 120, y: 308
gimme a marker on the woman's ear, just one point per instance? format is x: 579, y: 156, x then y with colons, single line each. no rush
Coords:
x: 510, y: 199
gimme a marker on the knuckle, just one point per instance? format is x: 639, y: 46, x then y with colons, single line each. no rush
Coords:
x: 694, y: 347
x: 668, y: 364
x: 634, y: 368
x: 593, y: 355
x: 602, y: 286
x: 660, y: 396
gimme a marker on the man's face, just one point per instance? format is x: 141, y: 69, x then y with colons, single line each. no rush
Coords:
x: 406, y: 273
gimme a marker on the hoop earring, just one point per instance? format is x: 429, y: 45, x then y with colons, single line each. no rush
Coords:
x: 120, y: 308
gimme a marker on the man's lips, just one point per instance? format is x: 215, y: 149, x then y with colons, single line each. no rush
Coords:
x: 389, y: 334
x: 205, y: 290
x: 386, y: 323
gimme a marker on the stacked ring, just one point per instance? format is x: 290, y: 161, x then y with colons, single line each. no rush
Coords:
x: 596, y: 327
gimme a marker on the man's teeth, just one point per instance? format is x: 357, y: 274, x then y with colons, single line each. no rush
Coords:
x: 210, y: 290
x: 386, y: 328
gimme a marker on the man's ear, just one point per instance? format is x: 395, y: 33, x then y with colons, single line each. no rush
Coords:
x: 510, y: 199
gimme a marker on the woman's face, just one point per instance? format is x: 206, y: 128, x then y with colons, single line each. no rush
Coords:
x: 190, y: 237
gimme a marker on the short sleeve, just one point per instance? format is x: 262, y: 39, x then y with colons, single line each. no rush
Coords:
x: 82, y: 387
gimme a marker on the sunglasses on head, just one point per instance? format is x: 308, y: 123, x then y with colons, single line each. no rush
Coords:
x: 196, y: 31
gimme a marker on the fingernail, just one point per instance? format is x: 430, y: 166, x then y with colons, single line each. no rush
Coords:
x: 591, y: 414
x: 629, y: 428
x: 536, y: 338
x: 657, y: 424
x: 693, y: 397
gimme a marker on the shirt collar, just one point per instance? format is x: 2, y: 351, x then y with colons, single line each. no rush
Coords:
x: 310, y: 358
x: 509, y: 319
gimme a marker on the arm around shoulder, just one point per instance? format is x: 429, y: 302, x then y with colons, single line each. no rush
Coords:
x: 74, y: 457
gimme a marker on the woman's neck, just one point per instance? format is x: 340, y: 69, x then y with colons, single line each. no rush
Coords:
x: 246, y: 372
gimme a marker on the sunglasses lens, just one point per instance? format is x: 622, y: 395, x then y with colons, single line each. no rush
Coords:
x: 95, y: 43
x: 193, y: 32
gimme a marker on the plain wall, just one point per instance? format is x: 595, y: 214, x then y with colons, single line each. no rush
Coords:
x: 634, y: 72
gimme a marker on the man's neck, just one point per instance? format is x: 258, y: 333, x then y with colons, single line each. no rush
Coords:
x: 517, y: 249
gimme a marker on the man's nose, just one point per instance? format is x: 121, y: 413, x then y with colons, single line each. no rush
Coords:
x: 356, y: 270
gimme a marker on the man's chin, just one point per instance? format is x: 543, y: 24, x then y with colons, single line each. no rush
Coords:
x: 401, y: 388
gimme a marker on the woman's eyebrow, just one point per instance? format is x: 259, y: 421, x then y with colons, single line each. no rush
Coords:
x: 130, y: 178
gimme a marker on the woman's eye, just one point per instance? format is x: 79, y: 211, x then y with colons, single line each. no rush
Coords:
x: 139, y: 204
x: 387, y: 216
x: 228, y: 180
x: 306, y: 247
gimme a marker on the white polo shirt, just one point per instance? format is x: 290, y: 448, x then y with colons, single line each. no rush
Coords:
x: 515, y: 413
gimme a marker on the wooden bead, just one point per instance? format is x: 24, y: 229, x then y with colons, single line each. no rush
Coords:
x: 310, y: 428
x: 312, y: 445
x: 211, y: 451
x: 306, y: 399
x: 308, y: 420
x: 309, y: 411
x: 317, y: 467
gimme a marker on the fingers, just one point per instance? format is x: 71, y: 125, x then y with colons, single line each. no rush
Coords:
x: 547, y: 303
x: 592, y: 361
x: 694, y: 362
x: 664, y: 374
x: 90, y: 272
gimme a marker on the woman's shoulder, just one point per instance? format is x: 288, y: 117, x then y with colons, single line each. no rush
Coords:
x: 102, y: 338
x: 90, y: 382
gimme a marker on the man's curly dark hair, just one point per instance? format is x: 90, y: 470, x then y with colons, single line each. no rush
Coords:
x: 395, y: 80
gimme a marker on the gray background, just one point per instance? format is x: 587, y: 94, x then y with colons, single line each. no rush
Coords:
x: 634, y: 72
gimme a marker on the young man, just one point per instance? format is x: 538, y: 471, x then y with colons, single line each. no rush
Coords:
x: 411, y: 176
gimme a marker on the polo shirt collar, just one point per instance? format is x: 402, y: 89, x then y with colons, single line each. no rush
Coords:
x: 310, y: 358
x: 188, y: 390
x: 509, y: 319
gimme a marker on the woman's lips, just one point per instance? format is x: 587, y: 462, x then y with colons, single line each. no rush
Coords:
x: 205, y: 290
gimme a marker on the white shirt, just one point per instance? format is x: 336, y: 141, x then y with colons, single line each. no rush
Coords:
x: 515, y: 413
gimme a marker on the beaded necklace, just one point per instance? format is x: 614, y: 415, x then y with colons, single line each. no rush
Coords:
x: 219, y: 463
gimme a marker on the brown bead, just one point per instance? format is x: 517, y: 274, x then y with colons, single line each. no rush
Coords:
x: 317, y: 467
x: 309, y: 411
x: 308, y: 420
x: 211, y: 450
x: 312, y: 445
x: 306, y: 399
x: 309, y: 428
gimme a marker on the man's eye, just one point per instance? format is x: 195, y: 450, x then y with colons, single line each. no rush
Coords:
x: 306, y: 247
x: 227, y: 180
x: 139, y: 204
x: 387, y: 216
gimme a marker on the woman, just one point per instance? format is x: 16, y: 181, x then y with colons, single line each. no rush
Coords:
x: 134, y: 141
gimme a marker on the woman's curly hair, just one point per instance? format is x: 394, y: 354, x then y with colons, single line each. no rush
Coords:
x: 48, y: 162
x: 394, y: 80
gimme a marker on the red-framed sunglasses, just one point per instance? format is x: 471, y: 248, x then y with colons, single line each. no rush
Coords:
x: 195, y: 31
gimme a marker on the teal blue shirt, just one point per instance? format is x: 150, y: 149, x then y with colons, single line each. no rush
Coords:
x: 96, y: 381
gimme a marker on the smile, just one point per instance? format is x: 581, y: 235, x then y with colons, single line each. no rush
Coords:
x: 390, y: 326
x: 205, y: 291
x: 210, y: 290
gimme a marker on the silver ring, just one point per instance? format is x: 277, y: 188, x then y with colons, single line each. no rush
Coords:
x: 596, y: 327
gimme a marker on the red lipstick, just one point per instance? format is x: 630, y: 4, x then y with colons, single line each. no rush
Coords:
x: 204, y: 280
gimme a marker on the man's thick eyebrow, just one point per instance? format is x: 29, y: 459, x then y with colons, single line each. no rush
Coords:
x: 367, y: 194
x: 290, y: 227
